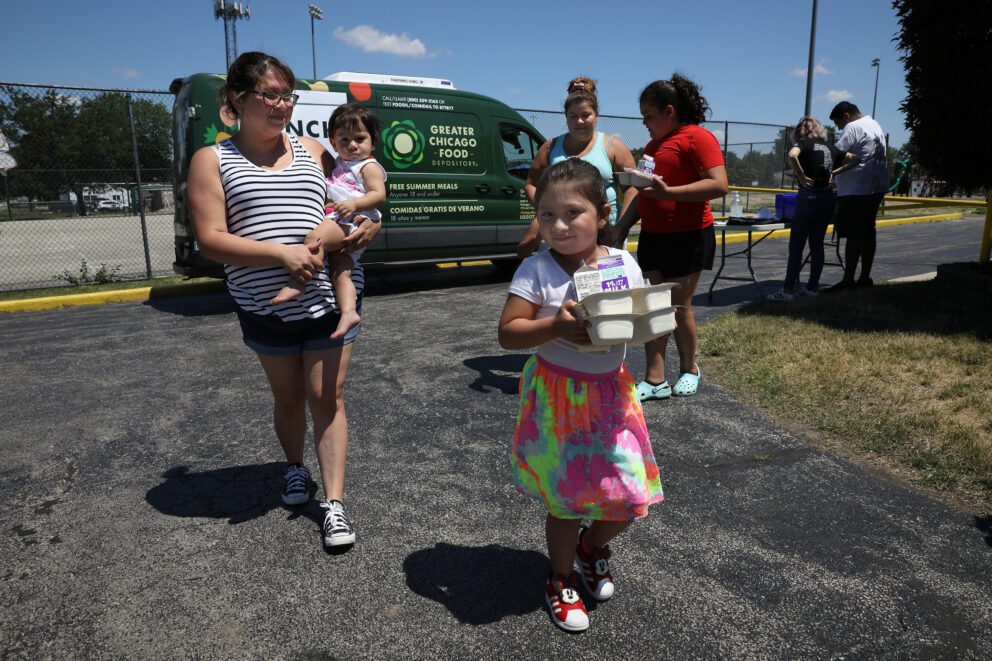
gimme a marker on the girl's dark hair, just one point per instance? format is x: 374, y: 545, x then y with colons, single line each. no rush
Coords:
x: 582, y: 177
x: 681, y: 93
x: 246, y: 73
x: 351, y: 117
x: 582, y: 90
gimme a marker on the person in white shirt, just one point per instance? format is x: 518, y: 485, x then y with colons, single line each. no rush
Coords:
x: 861, y: 183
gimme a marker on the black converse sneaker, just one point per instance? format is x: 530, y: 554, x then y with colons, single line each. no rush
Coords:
x: 296, y: 491
x: 337, y: 528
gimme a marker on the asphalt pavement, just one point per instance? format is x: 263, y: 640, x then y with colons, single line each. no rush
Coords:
x: 141, y: 515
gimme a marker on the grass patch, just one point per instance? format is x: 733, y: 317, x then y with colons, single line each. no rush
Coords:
x: 24, y: 294
x: 898, y: 375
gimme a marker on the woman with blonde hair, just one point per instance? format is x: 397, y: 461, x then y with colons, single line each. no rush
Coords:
x: 608, y: 153
x: 812, y: 160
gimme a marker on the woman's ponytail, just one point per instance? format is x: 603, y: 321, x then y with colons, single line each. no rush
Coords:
x: 680, y: 93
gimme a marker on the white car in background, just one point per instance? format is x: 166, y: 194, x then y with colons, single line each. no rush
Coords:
x: 110, y: 205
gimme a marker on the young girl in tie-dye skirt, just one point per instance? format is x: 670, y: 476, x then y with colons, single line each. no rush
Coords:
x: 581, y: 444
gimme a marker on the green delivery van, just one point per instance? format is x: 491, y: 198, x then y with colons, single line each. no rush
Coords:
x: 456, y: 163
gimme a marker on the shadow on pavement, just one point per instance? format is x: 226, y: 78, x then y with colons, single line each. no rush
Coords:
x: 913, y: 307
x: 726, y: 296
x: 481, y: 584
x: 197, y: 305
x: 489, y: 377
x: 237, y: 493
x: 380, y: 281
x: 386, y: 280
x: 984, y: 524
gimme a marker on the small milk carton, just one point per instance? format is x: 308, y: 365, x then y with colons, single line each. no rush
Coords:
x: 607, y: 275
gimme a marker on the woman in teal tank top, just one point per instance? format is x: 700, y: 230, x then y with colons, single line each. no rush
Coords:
x: 608, y: 153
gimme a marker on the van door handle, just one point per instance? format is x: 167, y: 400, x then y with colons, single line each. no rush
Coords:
x: 482, y: 188
x: 509, y: 190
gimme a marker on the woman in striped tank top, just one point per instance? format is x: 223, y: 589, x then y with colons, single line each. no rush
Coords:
x: 253, y: 199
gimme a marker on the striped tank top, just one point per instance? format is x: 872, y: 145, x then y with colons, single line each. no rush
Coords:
x: 281, y: 206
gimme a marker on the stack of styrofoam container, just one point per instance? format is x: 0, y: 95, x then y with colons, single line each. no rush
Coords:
x: 630, y: 315
x: 632, y: 177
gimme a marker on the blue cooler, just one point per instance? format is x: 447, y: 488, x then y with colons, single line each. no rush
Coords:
x: 785, y: 206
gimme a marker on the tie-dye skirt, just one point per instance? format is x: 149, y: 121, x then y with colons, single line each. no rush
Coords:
x: 581, y: 444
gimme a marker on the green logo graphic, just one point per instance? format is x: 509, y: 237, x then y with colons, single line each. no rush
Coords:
x: 403, y: 144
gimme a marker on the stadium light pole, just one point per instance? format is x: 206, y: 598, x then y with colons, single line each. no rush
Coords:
x: 231, y: 12
x: 877, y: 63
x: 315, y: 15
x: 809, y: 66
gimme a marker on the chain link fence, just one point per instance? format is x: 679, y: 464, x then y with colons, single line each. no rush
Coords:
x: 755, y: 153
x: 90, y: 198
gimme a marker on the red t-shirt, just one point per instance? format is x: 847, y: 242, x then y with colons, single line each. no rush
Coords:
x: 679, y: 158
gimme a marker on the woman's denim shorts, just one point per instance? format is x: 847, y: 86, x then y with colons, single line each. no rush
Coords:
x: 269, y: 335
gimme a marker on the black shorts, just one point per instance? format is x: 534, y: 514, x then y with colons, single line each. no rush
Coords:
x: 855, y: 215
x: 677, y: 254
x: 269, y: 335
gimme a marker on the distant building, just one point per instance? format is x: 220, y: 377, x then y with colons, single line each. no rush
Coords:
x: 119, y: 197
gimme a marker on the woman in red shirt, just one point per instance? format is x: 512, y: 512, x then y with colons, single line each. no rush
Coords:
x: 677, y: 239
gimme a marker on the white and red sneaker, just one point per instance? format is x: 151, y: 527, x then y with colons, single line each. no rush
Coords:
x: 567, y: 610
x: 594, y: 568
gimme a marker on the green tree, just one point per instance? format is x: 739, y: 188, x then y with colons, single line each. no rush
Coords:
x: 947, y: 46
x: 103, y: 134
x: 65, y: 141
x: 40, y: 132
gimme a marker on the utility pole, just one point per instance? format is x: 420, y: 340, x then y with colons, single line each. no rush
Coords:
x: 809, y: 66
x: 230, y: 12
x: 877, y: 63
x: 315, y: 15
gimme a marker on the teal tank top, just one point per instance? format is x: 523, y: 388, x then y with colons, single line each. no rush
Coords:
x: 597, y: 156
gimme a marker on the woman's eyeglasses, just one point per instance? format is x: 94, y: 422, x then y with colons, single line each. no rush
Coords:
x: 273, y: 99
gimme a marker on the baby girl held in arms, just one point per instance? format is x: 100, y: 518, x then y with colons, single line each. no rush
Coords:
x: 354, y: 190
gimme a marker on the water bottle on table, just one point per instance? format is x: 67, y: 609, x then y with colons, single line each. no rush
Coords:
x: 736, y: 208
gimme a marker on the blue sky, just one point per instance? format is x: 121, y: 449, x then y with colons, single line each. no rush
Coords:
x: 750, y: 57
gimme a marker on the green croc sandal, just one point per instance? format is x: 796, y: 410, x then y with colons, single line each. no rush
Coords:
x: 646, y: 391
x: 688, y: 383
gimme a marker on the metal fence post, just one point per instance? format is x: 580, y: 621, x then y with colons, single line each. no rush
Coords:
x: 137, y: 177
x: 785, y: 158
x: 6, y: 194
x: 986, y: 249
x: 726, y: 149
x: 747, y: 200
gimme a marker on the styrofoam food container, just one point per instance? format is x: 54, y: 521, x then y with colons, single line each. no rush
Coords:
x: 609, y: 329
x: 607, y: 302
x: 635, y: 178
x: 653, y: 297
x: 653, y: 324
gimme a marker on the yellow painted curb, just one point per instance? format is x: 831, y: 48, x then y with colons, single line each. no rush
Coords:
x: 110, y: 296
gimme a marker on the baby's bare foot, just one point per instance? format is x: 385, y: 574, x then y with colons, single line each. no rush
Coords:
x: 348, y: 321
x: 288, y: 293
